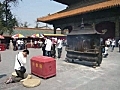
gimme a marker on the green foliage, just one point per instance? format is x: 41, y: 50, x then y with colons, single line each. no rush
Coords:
x: 7, y: 20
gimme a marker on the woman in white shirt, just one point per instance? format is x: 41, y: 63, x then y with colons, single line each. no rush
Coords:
x: 20, y: 60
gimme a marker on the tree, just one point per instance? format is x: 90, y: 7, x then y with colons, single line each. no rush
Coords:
x: 26, y: 24
x: 15, y: 2
x: 7, y: 20
x: 2, y: 27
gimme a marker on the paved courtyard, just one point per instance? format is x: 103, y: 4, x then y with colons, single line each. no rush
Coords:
x: 70, y: 76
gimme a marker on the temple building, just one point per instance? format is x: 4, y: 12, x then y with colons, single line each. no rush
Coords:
x: 104, y: 15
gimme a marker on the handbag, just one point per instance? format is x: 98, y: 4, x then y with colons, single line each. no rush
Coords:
x: 22, y: 68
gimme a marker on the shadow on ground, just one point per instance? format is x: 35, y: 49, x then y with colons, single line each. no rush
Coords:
x: 3, y: 75
x: 84, y: 63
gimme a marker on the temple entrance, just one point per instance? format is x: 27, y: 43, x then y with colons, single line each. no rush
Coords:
x: 107, y: 28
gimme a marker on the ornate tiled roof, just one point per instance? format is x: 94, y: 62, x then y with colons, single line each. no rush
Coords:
x: 90, y: 8
x: 67, y: 2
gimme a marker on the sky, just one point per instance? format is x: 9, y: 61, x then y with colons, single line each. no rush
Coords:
x: 30, y: 10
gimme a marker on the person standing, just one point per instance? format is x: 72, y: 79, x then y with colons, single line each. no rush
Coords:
x: 48, y: 43
x: 39, y: 43
x: 43, y: 46
x: 35, y: 44
x: 25, y: 44
x: 18, y: 43
x: 14, y: 44
x: 113, y: 45
x: 105, y: 54
x: 107, y: 42
x: 59, y: 47
x: 119, y: 44
x: 20, y: 60
x: 21, y: 44
x: 31, y: 43
x: 53, y: 51
x: 7, y: 43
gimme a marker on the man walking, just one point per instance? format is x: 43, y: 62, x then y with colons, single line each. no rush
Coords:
x: 59, y: 47
x: 48, y: 43
x: 113, y: 44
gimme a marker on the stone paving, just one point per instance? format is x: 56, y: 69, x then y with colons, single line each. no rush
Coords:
x: 70, y: 76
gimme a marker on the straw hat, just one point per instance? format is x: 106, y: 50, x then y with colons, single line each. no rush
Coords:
x: 28, y: 81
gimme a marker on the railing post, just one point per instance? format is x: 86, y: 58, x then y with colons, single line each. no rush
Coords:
x: 0, y: 57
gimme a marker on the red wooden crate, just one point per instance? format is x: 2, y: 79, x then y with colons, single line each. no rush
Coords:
x: 43, y: 66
